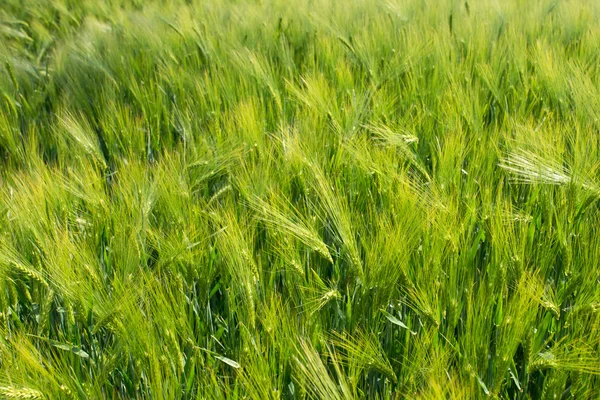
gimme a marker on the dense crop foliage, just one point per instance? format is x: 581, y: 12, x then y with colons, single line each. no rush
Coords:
x: 299, y: 199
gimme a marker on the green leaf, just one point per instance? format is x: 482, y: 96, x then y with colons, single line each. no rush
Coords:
x: 79, y: 352
x: 228, y: 361
x: 396, y: 321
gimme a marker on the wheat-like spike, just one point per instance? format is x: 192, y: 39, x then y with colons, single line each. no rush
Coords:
x: 290, y: 223
x: 11, y: 392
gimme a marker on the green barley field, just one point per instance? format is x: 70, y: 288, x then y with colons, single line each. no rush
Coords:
x: 299, y: 199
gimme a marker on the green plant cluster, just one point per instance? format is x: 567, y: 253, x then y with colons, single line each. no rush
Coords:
x: 294, y: 199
